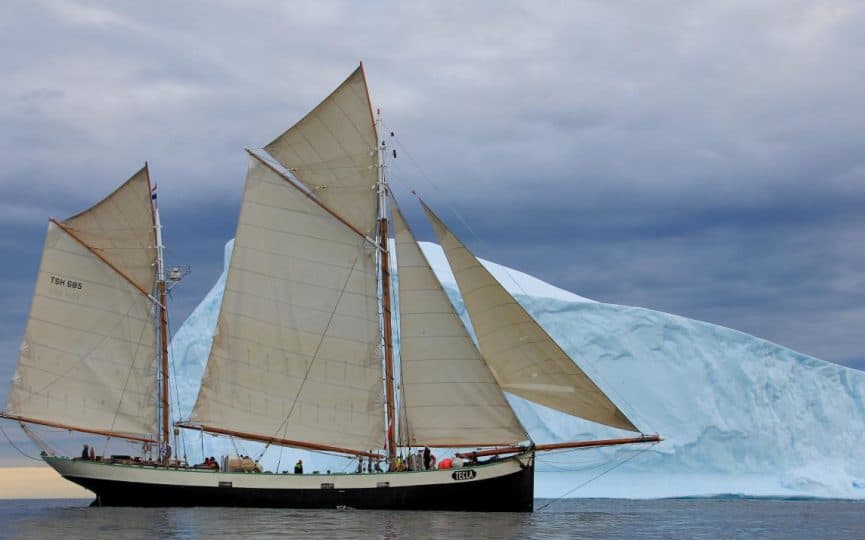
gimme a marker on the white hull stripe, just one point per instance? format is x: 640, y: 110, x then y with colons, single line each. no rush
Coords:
x: 143, y: 474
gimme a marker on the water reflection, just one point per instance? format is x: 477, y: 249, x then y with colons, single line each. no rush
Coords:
x: 575, y: 518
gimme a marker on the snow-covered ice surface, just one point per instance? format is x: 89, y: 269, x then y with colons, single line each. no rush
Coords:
x: 739, y: 415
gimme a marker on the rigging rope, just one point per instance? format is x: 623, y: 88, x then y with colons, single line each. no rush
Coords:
x: 284, y: 425
x: 128, y: 375
x: 595, y: 376
x: 590, y: 480
x: 16, y: 448
x: 396, y: 309
x: 176, y: 393
x: 453, y: 209
x: 278, y: 460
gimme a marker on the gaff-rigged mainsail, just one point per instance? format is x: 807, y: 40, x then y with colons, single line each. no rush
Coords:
x: 88, y: 357
x: 523, y: 358
x: 296, y: 354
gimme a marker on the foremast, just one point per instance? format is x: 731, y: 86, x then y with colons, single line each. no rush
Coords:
x: 162, y: 328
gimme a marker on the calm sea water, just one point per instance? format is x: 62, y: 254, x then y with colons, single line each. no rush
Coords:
x: 571, y: 518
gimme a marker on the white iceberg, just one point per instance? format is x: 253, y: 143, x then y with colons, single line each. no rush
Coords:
x: 739, y: 415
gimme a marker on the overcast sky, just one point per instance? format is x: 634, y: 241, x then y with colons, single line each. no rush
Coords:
x: 701, y: 158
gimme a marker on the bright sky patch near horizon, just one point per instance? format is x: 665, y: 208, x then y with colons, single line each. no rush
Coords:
x: 38, y: 483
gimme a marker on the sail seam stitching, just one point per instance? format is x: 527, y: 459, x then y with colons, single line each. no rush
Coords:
x: 96, y: 253
x: 315, y: 200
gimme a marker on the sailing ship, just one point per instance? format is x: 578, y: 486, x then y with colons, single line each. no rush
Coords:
x: 303, y: 352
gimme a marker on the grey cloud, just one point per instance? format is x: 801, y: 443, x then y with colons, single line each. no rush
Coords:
x: 700, y: 158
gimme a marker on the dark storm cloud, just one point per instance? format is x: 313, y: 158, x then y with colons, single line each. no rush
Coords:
x: 706, y: 159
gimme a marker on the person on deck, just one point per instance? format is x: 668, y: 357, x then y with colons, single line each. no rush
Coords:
x: 298, y: 467
x: 418, y: 459
x: 426, y: 456
x: 92, y: 455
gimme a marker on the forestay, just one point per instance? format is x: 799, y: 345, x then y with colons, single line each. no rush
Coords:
x: 523, y: 358
x: 450, y: 397
x: 296, y: 354
x: 88, y: 356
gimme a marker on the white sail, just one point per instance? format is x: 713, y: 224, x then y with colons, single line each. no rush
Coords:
x: 450, y: 397
x: 121, y: 228
x: 332, y: 150
x: 88, y: 356
x: 523, y: 358
x: 296, y: 353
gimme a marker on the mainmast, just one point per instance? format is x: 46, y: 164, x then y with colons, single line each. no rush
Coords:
x: 384, y: 258
x: 165, y: 435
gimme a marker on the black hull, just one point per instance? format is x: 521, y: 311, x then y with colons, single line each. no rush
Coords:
x: 510, y: 493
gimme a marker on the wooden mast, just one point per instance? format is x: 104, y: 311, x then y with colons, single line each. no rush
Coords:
x: 384, y: 266
x: 165, y: 433
x: 388, y: 343
x: 384, y: 257
x: 163, y: 338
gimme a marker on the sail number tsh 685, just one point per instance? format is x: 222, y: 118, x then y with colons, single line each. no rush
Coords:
x: 66, y: 282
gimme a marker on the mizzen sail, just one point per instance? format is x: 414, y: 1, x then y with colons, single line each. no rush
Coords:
x: 523, y: 358
x: 296, y: 354
x: 450, y: 398
x: 88, y: 356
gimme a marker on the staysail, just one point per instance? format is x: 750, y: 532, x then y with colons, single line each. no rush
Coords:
x: 88, y: 356
x: 296, y: 354
x: 332, y: 150
x: 449, y: 396
x: 523, y: 358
